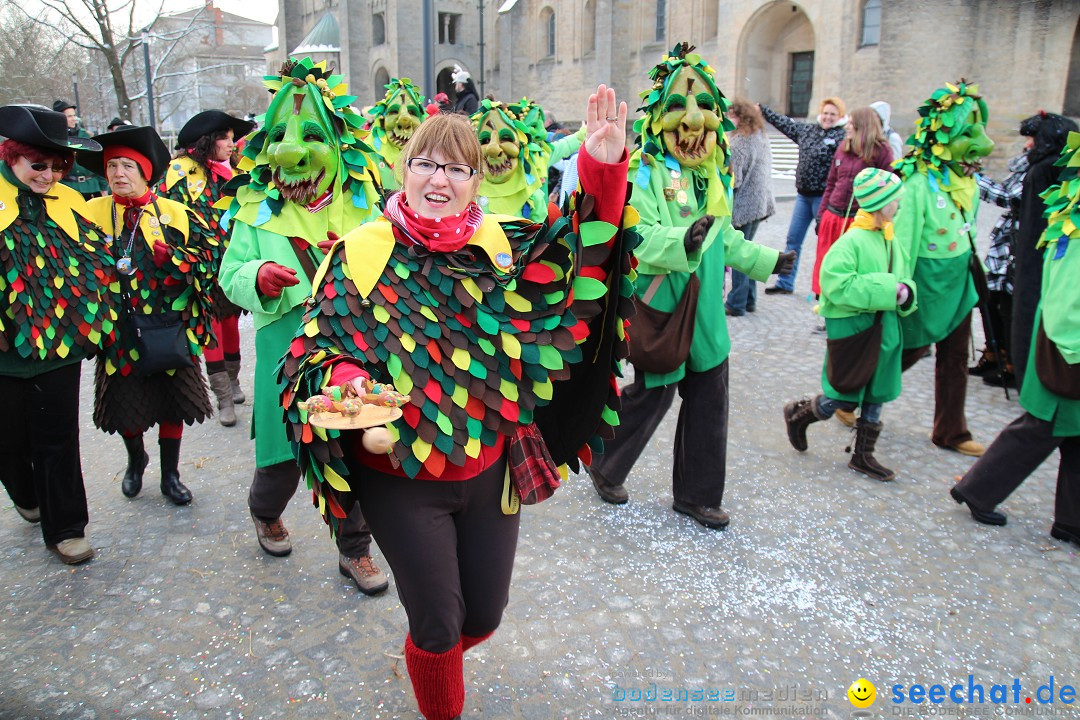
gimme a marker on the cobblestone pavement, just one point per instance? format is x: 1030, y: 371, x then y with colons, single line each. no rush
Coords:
x: 823, y: 577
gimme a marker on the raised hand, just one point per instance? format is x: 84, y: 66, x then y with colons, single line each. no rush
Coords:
x: 605, y: 125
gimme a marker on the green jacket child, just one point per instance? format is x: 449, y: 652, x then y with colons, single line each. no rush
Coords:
x: 864, y: 282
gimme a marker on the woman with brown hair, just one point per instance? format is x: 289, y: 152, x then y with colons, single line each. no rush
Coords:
x: 864, y: 146
x: 195, y: 177
x: 481, y: 319
x: 752, y: 202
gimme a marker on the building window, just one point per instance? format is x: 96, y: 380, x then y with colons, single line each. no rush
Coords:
x: 661, y: 20
x: 588, y: 28
x: 378, y: 29
x: 871, y: 23
x: 547, y: 25
x: 449, y: 24
x: 712, y: 10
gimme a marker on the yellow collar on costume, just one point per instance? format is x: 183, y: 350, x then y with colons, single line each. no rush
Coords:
x: 61, y: 204
x: 368, y: 249
x: 961, y: 189
x: 865, y: 221
x: 173, y: 215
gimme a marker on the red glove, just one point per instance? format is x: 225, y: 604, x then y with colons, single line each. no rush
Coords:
x: 331, y: 238
x: 273, y: 278
x: 161, y: 253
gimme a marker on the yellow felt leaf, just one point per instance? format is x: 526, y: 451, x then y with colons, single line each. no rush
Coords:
x: 470, y: 287
x: 461, y: 359
x: 511, y: 346
x: 336, y: 481
x: 421, y: 449
x: 472, y: 447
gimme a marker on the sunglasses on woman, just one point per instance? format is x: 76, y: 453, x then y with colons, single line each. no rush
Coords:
x: 42, y: 167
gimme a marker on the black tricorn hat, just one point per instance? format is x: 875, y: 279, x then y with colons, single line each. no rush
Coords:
x: 141, y: 138
x: 39, y: 126
x: 211, y: 121
x: 62, y: 105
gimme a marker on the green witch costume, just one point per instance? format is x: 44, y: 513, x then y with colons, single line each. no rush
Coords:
x: 310, y: 177
x: 682, y: 192
x: 517, y: 156
x: 935, y: 228
x: 394, y: 120
x: 1050, y: 393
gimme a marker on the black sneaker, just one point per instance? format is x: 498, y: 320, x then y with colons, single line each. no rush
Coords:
x: 777, y: 290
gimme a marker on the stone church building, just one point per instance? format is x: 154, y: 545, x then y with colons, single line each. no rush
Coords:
x: 1024, y: 54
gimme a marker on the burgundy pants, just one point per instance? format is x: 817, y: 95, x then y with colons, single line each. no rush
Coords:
x: 950, y: 384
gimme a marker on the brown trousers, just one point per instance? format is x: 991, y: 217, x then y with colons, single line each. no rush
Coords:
x: 950, y: 384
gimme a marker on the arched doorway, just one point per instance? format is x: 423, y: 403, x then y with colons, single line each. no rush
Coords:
x: 382, y: 79
x: 1071, y: 106
x: 444, y: 83
x: 775, y: 62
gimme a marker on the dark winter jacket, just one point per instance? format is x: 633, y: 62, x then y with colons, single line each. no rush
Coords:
x: 1027, y: 273
x: 467, y: 102
x: 816, y: 148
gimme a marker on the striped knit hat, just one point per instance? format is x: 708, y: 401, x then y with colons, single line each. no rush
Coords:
x: 875, y: 188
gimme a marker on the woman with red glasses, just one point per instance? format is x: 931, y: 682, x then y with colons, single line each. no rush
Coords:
x: 55, y: 311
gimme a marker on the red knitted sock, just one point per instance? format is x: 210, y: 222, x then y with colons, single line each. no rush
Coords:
x: 438, y: 680
x: 468, y: 642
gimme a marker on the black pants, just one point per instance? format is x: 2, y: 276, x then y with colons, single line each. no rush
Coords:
x: 450, y: 548
x: 700, y: 466
x: 273, y: 487
x: 1020, y: 448
x: 39, y: 450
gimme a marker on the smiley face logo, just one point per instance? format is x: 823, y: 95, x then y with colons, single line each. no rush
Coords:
x: 862, y: 693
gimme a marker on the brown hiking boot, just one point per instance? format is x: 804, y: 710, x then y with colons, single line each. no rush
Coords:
x: 363, y: 571
x: 273, y: 537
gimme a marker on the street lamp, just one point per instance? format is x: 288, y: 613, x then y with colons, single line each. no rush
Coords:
x: 149, y: 79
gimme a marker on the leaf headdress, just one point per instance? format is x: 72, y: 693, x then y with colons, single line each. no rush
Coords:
x: 941, y: 120
x: 257, y: 199
x: 714, y: 171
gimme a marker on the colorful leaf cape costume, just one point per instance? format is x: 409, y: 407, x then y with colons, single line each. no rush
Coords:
x: 525, y: 323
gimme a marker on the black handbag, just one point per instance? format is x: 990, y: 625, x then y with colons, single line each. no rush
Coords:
x: 660, y: 341
x: 160, y: 341
x: 1055, y: 373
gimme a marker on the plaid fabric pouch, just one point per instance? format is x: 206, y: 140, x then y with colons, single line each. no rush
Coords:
x: 532, y: 471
